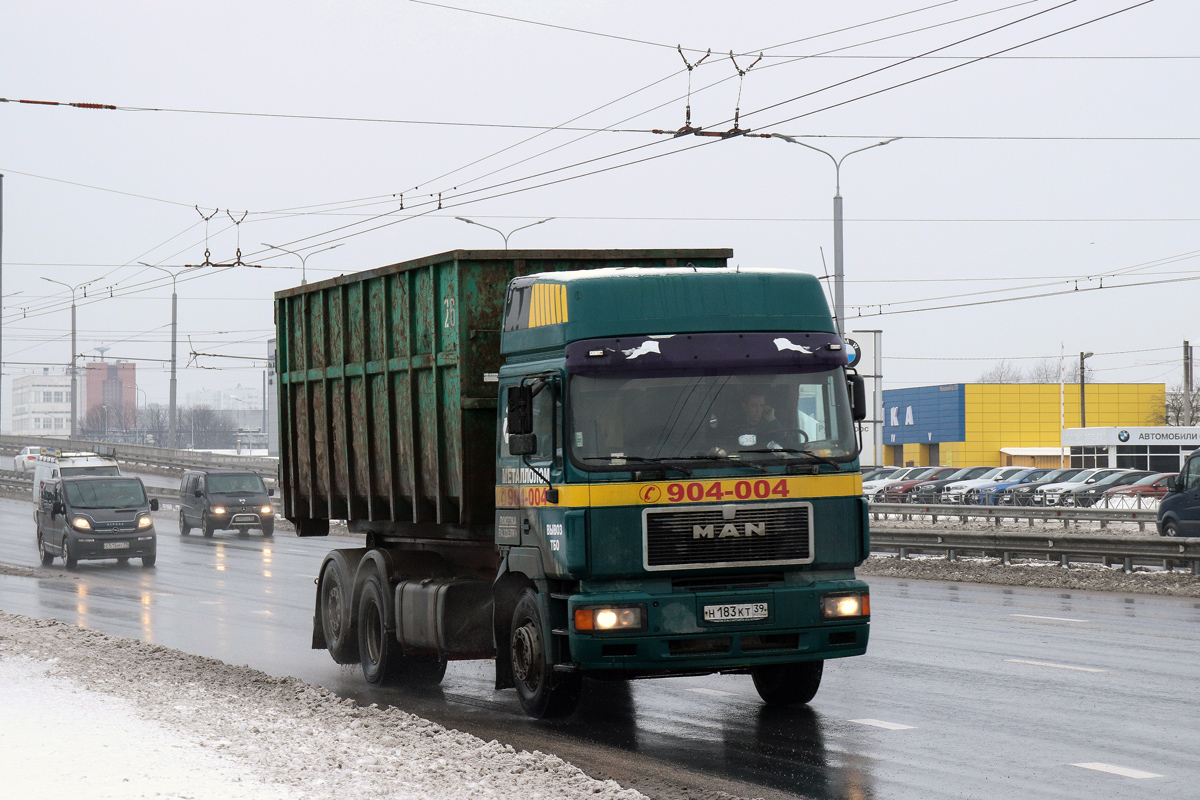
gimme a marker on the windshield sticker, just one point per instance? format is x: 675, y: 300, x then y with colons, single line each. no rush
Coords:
x: 648, y: 346
x: 786, y: 344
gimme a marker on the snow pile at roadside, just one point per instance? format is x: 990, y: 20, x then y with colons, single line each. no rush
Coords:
x: 233, y: 731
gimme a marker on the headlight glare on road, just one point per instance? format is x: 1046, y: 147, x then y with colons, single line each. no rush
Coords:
x: 842, y: 606
x: 610, y: 619
x: 81, y: 524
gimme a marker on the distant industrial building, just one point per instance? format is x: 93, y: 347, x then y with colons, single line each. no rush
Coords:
x: 41, y: 404
x: 1007, y: 424
x: 110, y: 395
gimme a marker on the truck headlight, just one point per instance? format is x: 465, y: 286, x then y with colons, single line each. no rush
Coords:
x: 620, y: 618
x: 842, y: 606
x: 218, y: 509
x: 81, y: 524
x: 265, y: 510
x: 144, y: 522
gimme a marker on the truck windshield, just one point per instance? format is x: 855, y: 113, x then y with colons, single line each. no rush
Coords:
x: 759, y: 418
x: 236, y: 484
x: 120, y: 493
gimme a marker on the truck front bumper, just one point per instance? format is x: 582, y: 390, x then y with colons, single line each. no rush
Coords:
x: 677, y: 639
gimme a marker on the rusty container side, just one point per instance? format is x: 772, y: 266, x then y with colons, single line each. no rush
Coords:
x: 387, y: 415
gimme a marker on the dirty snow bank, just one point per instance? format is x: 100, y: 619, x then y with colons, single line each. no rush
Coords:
x: 145, y: 720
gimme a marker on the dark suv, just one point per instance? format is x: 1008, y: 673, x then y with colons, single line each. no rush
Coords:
x: 95, y: 517
x: 225, y: 499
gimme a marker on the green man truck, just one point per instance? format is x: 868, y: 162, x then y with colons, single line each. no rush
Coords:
x: 580, y: 463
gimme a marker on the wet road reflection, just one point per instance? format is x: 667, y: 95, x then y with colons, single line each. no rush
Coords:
x: 967, y: 690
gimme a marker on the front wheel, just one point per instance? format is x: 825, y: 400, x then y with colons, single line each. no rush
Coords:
x: 1169, y: 529
x: 544, y: 693
x: 69, y: 559
x: 788, y: 684
x: 148, y: 561
x: 184, y: 528
x: 268, y: 530
x: 46, y: 555
x: 207, y: 526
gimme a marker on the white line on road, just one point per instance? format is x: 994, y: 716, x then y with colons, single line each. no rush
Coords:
x: 713, y: 692
x: 1056, y: 619
x: 1122, y: 771
x: 1056, y: 666
x: 878, y: 723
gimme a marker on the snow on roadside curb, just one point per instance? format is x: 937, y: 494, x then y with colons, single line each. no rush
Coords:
x: 301, y: 740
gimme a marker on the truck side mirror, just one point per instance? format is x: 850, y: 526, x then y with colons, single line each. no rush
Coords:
x: 858, y: 398
x: 522, y: 444
x: 154, y: 504
x: 520, y: 413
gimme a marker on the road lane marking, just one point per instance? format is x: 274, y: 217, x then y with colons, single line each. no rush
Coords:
x: 713, y: 692
x: 1122, y: 771
x: 1056, y: 666
x: 1056, y: 619
x: 878, y: 723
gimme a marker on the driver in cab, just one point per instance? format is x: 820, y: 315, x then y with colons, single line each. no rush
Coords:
x: 756, y: 427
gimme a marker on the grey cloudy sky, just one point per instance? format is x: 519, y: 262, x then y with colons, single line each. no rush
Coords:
x: 931, y: 220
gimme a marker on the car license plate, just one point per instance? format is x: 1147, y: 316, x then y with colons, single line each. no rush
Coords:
x: 735, y: 612
x: 116, y: 545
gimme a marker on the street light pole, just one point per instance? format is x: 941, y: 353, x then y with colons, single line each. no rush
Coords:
x: 171, y: 441
x: 74, y: 377
x: 303, y: 259
x: 1082, y: 388
x: 839, y: 296
x: 502, y: 233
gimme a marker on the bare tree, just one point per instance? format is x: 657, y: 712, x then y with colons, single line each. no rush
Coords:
x: 1047, y: 370
x: 153, y: 422
x: 1003, y: 372
x: 1172, y: 412
x: 206, y: 428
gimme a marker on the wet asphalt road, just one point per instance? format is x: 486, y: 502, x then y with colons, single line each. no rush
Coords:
x: 1003, y: 691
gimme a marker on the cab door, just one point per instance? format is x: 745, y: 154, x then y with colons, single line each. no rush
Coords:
x: 1187, y: 503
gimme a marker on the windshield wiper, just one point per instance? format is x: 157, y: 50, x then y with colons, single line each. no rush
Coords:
x: 642, y: 460
x: 715, y: 457
x: 808, y: 453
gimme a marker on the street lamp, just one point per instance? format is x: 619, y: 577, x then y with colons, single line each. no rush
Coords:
x: 303, y: 259
x: 1082, y: 387
x: 74, y: 378
x: 838, y: 272
x: 502, y: 233
x: 174, y: 328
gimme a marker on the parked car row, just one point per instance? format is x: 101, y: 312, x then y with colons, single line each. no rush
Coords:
x: 84, y: 508
x: 1015, y: 486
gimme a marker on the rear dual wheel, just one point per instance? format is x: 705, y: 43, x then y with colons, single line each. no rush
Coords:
x: 383, y: 660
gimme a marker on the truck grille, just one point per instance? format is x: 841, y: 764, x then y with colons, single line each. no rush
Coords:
x: 727, y: 536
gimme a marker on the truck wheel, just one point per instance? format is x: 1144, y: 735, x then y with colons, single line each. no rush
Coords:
x: 337, y: 613
x: 544, y: 693
x: 788, y: 684
x: 184, y: 528
x: 47, y: 556
x: 383, y: 659
x: 206, y: 525
x: 69, y: 560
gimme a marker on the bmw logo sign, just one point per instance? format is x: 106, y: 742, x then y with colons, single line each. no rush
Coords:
x: 855, y: 352
x: 1123, y: 436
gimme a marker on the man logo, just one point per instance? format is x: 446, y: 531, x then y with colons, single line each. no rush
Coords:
x: 729, y: 530
x: 1123, y: 436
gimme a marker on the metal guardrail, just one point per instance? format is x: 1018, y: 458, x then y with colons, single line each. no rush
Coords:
x: 1065, y: 548
x: 18, y: 482
x: 144, y: 455
x: 1066, y: 514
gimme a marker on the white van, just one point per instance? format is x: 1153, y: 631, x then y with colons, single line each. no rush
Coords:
x: 52, y: 463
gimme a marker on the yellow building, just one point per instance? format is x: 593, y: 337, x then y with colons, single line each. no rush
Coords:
x: 999, y: 424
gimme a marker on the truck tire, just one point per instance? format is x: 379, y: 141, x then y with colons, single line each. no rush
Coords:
x: 544, y: 693
x: 788, y: 684
x: 383, y: 660
x: 338, y: 620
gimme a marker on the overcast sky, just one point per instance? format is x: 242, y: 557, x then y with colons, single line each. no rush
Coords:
x: 960, y: 211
